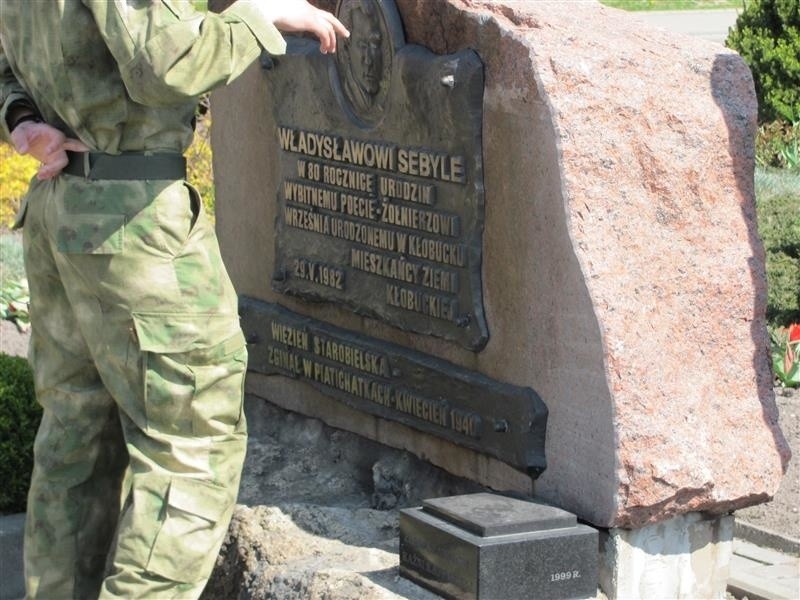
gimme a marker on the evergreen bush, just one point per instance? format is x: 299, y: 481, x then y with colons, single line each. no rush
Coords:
x: 767, y: 35
x: 19, y: 419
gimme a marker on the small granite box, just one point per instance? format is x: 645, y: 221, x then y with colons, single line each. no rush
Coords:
x: 491, y: 547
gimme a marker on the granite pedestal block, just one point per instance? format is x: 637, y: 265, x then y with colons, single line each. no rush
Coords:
x: 485, y: 546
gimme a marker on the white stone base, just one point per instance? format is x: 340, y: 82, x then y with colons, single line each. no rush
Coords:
x: 685, y: 557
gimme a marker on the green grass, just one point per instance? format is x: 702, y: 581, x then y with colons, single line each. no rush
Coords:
x: 774, y: 182
x: 13, y: 285
x: 778, y: 205
x: 11, y: 265
x: 672, y: 4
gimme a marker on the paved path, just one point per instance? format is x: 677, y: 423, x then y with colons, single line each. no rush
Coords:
x: 707, y: 24
x: 758, y: 572
x: 12, y: 584
x: 12, y: 341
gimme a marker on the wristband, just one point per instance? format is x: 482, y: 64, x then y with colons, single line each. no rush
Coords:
x: 29, y: 117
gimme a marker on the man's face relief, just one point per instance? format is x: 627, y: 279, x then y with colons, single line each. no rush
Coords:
x: 366, y: 55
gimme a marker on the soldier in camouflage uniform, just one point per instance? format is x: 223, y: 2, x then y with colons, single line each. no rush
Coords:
x: 136, y: 346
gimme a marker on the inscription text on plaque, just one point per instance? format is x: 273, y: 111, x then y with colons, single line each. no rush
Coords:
x: 380, y: 199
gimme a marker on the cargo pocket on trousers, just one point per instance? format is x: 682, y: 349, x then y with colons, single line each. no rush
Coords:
x: 178, y: 208
x: 193, y: 368
x: 90, y: 234
x: 188, y: 541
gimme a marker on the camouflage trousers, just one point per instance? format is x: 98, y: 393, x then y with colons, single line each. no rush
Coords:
x: 139, y: 364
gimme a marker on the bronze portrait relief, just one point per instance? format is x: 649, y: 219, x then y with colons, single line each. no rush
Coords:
x: 364, y: 61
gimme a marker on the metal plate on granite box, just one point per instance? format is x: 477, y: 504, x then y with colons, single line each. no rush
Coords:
x: 482, y: 546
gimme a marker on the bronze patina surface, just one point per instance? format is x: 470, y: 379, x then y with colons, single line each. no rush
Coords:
x: 398, y: 384
x: 381, y: 191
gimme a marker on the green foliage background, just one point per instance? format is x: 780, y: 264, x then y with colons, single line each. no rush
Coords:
x: 778, y: 145
x: 15, y: 174
x: 767, y: 35
x: 19, y: 419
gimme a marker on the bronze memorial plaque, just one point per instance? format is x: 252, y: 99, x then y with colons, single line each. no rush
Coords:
x: 380, y: 199
x: 398, y: 384
x: 380, y: 208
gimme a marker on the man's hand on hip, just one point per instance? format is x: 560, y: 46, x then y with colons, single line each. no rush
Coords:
x: 46, y: 144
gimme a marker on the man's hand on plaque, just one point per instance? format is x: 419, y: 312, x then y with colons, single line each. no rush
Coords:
x: 298, y: 15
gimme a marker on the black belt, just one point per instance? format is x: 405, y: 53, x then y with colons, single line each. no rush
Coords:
x: 92, y: 165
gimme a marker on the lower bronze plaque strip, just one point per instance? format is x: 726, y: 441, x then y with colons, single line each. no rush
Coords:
x: 398, y: 384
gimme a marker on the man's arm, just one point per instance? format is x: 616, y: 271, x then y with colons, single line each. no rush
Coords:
x: 15, y: 104
x: 22, y: 126
x: 168, y: 52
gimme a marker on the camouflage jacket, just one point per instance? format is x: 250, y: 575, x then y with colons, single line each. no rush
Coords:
x: 123, y: 75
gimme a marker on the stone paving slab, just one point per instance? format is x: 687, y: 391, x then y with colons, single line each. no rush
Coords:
x: 12, y: 585
x: 763, y: 574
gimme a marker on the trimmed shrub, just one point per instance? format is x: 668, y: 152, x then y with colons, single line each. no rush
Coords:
x: 767, y: 35
x: 19, y: 419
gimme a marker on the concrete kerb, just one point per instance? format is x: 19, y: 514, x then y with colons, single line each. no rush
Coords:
x: 766, y: 538
x: 761, y: 573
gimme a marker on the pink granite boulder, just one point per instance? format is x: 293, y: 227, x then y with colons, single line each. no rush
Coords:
x: 623, y: 274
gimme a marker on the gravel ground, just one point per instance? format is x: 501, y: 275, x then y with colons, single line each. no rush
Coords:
x: 781, y: 515
x: 12, y: 340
